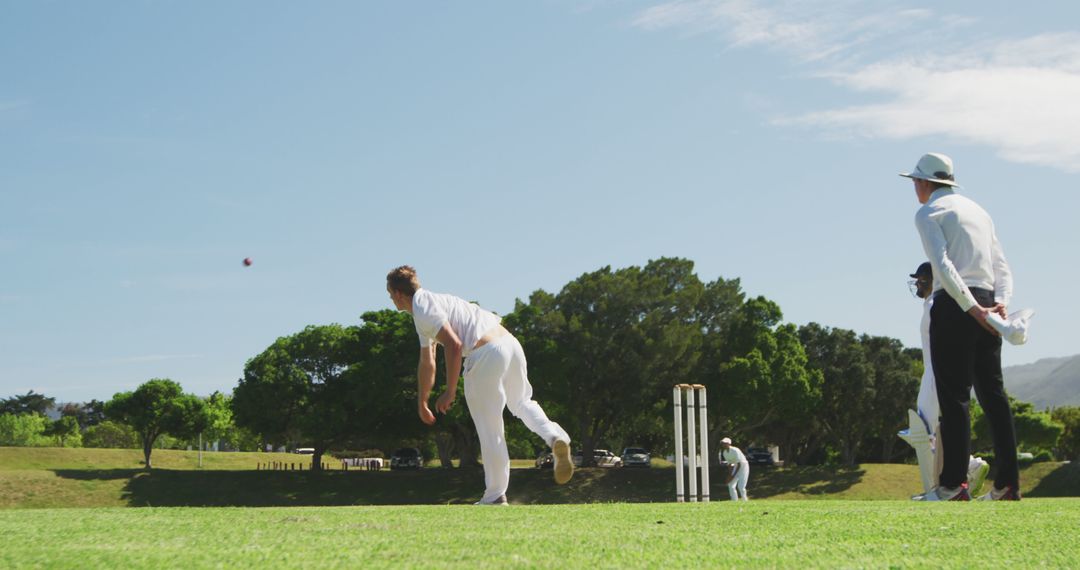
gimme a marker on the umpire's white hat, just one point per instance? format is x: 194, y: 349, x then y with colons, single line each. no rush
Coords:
x: 935, y: 167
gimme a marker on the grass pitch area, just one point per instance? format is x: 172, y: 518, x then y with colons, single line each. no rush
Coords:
x: 774, y: 533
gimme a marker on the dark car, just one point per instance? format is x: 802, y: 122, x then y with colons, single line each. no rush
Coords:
x: 636, y: 457
x: 759, y: 456
x: 545, y: 461
x: 406, y: 458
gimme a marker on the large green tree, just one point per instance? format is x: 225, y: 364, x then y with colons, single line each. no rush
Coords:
x: 23, y: 430
x: 1068, y: 446
x: 896, y: 377
x: 332, y: 387
x: 157, y: 407
x: 66, y: 431
x: 110, y: 434
x: 847, y: 390
x: 605, y: 351
x: 1035, y: 430
x: 86, y: 414
x: 763, y: 391
x: 28, y: 403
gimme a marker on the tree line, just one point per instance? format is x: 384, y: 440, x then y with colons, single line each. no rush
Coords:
x: 604, y: 353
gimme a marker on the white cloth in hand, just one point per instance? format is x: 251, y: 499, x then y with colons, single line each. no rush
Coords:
x: 1015, y: 328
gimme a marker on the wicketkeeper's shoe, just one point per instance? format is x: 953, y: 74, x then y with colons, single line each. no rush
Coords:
x: 500, y: 502
x: 977, y: 471
x: 564, y: 465
x: 940, y: 493
x: 1006, y: 494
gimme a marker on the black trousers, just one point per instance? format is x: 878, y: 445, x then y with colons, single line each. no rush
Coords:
x: 965, y: 355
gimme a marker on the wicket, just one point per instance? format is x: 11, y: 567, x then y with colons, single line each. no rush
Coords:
x: 692, y: 454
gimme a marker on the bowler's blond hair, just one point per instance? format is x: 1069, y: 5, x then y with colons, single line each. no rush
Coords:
x: 403, y: 280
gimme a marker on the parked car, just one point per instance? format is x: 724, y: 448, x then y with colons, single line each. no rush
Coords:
x: 406, y: 458
x: 601, y: 457
x: 545, y: 460
x: 636, y: 457
x: 759, y: 456
x: 305, y: 450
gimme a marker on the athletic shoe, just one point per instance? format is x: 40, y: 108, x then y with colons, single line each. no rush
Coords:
x: 977, y: 471
x: 1006, y: 494
x: 564, y: 465
x: 940, y: 493
x: 500, y: 502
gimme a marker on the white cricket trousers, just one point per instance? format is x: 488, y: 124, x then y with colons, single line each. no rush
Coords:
x: 739, y: 482
x: 496, y: 378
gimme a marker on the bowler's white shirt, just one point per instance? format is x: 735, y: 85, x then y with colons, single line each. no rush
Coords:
x: 959, y: 239
x: 468, y: 321
x: 732, y: 455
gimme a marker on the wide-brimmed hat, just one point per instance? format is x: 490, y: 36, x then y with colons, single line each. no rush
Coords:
x: 934, y: 167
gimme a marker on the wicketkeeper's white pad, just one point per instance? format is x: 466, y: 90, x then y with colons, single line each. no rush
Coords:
x: 917, y: 437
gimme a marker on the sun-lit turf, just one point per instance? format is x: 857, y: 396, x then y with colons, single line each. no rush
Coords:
x: 80, y: 478
x: 720, y: 534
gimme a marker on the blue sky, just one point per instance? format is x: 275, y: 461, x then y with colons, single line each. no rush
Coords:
x: 147, y: 147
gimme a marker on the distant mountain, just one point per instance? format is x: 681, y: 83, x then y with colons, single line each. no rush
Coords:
x: 1050, y: 382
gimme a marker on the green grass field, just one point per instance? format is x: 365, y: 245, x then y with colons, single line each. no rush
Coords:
x: 200, y: 518
x: 80, y: 478
x: 779, y: 533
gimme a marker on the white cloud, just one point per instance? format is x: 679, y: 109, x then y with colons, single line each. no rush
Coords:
x: 1018, y: 99
x: 1016, y: 96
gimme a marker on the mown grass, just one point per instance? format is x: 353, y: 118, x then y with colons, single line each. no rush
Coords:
x: 56, y: 478
x: 776, y: 534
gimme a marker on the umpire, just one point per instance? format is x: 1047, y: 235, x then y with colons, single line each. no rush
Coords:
x: 971, y: 280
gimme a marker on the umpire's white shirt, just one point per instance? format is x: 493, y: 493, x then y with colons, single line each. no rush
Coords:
x: 959, y: 240
x: 433, y: 310
x: 733, y: 455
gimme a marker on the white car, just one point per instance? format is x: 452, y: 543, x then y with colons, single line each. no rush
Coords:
x: 602, y: 458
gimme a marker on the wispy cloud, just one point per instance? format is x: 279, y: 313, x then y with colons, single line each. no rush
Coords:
x: 1015, y: 95
x: 807, y: 31
x: 11, y: 106
x: 148, y: 358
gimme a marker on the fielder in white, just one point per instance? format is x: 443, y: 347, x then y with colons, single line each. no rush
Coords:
x: 736, y: 481
x: 495, y: 376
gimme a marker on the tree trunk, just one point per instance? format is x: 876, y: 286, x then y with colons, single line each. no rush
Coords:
x: 887, y: 448
x: 148, y: 446
x: 465, y: 441
x: 316, y: 459
x: 444, y: 442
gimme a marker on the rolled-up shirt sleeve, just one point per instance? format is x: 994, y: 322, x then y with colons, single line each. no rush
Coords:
x: 935, y: 247
x: 1003, y: 283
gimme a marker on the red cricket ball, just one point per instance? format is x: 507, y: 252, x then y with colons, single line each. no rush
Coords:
x: 247, y: 262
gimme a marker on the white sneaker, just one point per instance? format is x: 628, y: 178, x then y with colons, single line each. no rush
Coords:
x: 500, y: 502
x: 1006, y: 494
x: 940, y: 493
x: 978, y: 468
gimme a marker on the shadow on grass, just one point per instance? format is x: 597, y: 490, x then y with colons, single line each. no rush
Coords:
x: 97, y: 474
x: 1063, y: 481
x: 167, y: 487
x: 810, y: 481
x: 206, y: 488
